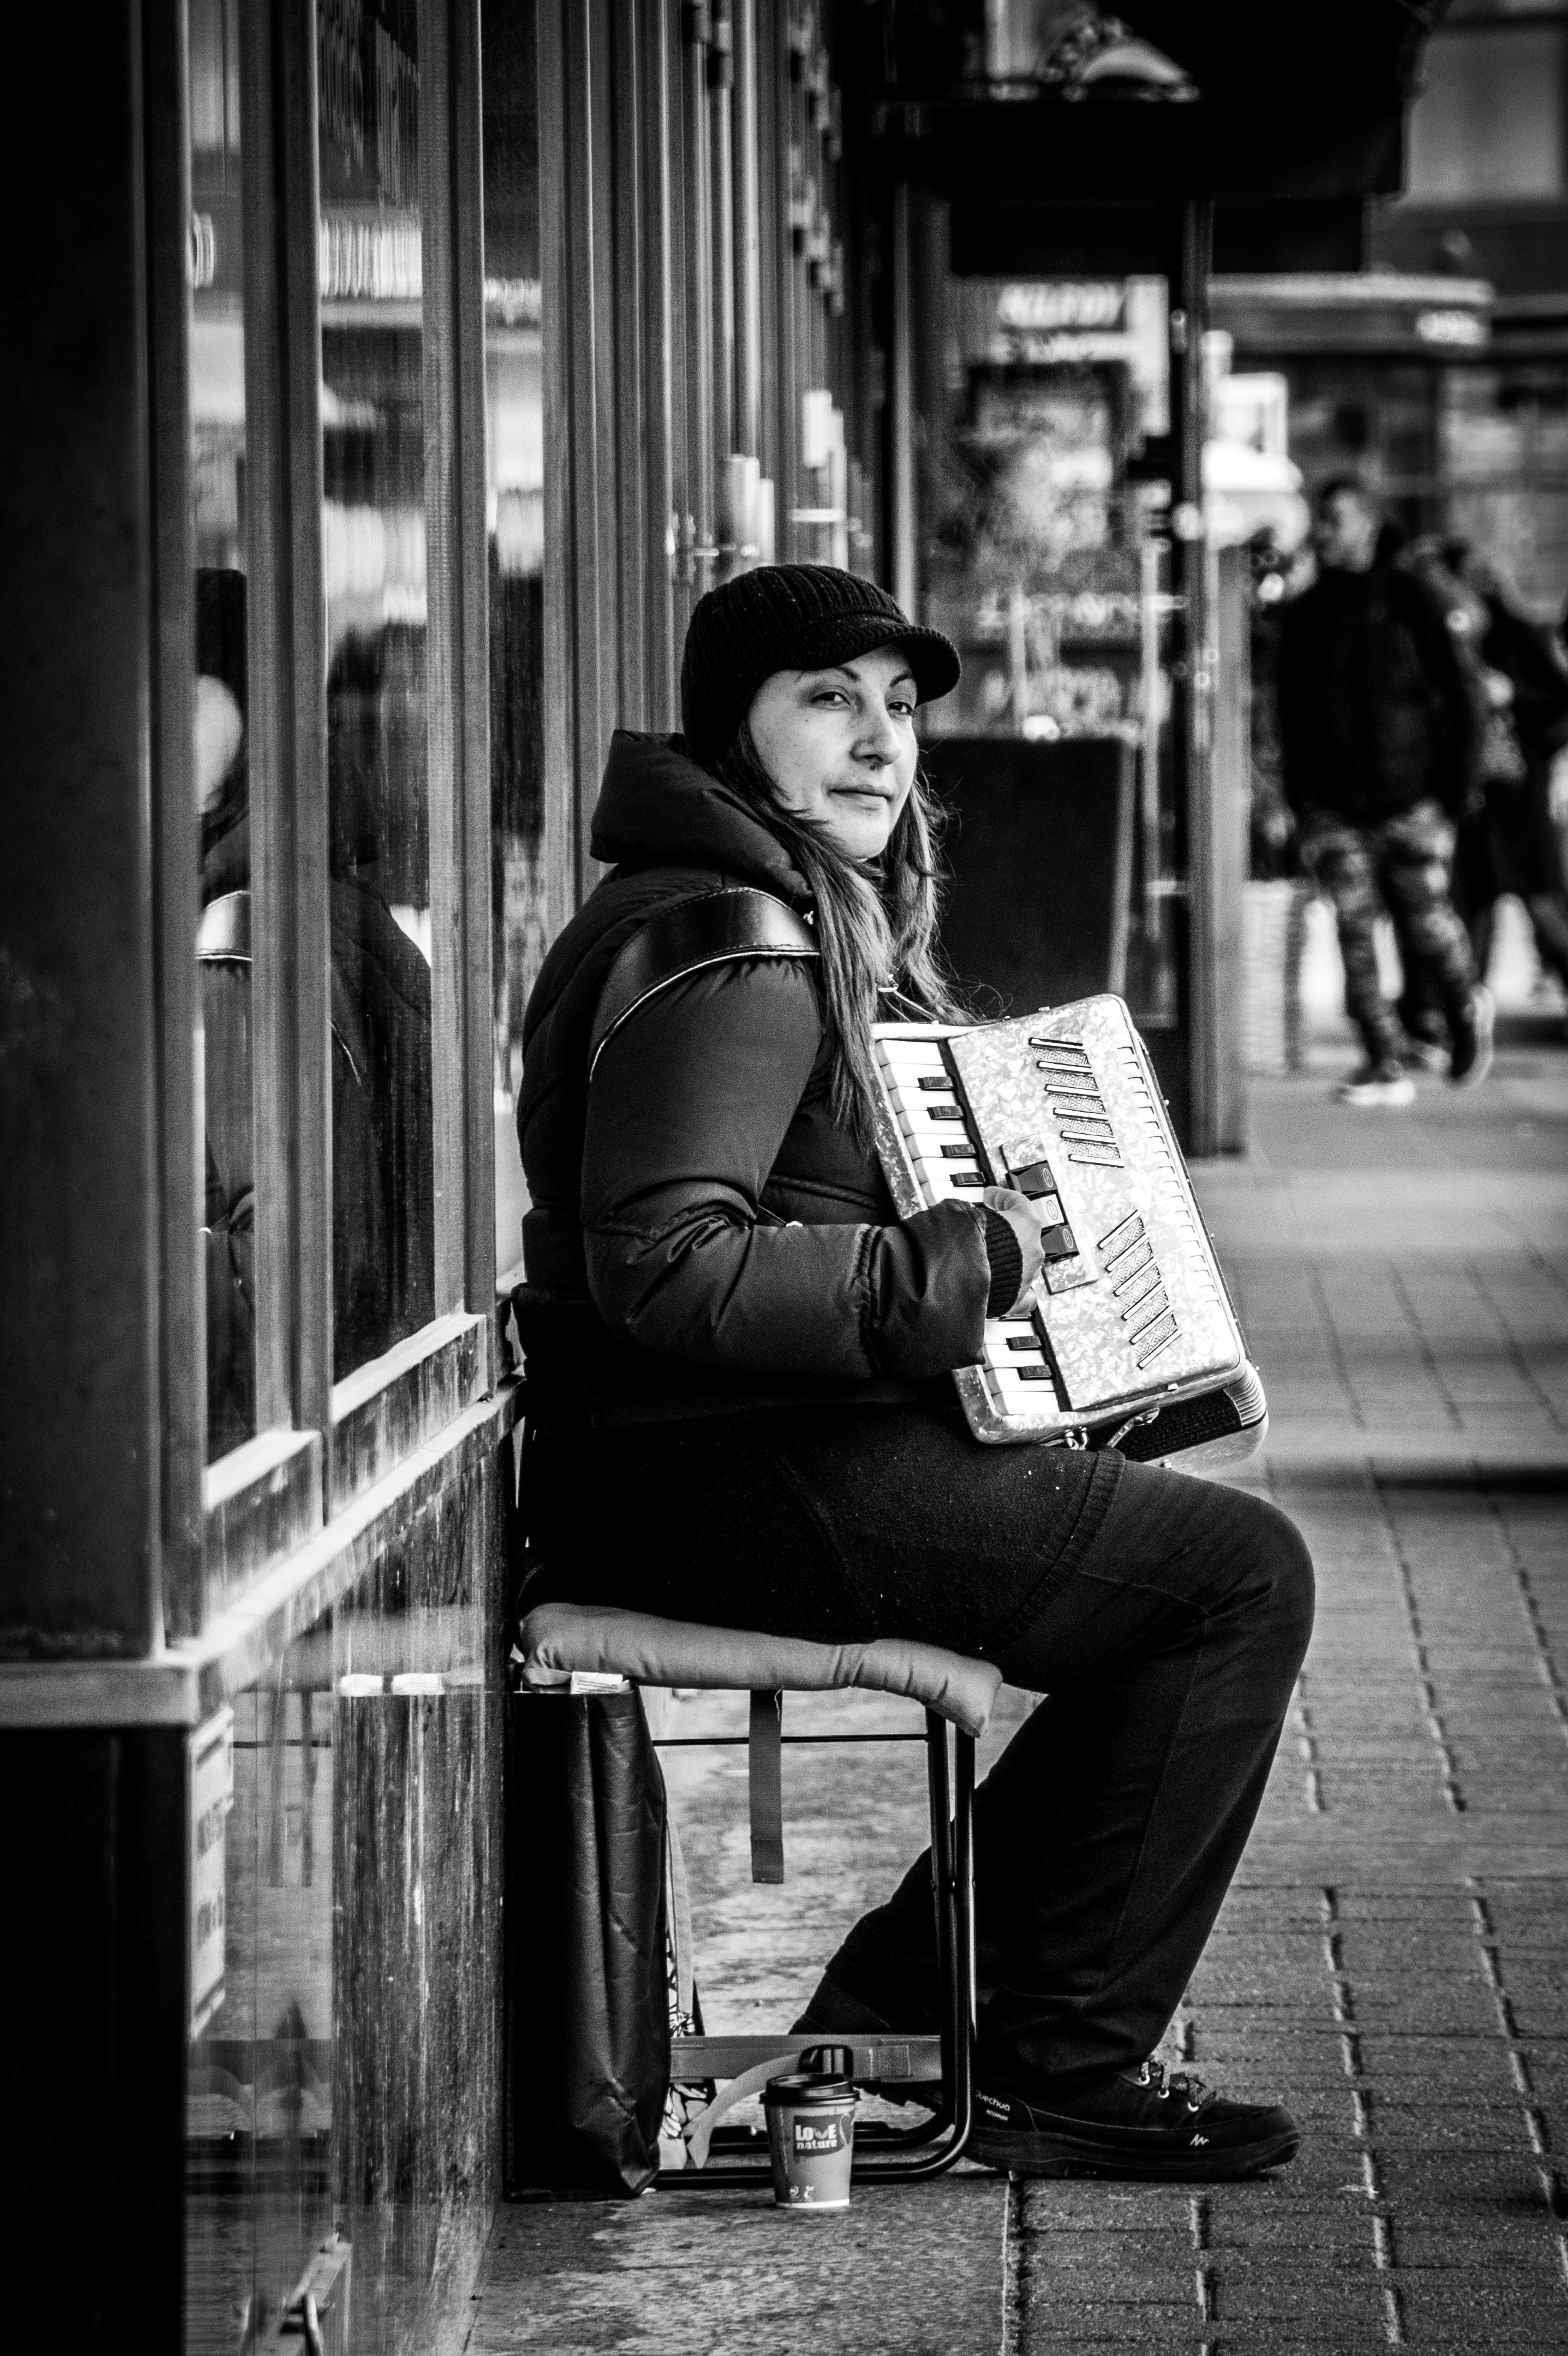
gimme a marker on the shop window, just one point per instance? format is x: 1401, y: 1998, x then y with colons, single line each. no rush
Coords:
x: 1047, y: 559
x: 332, y: 465
x: 515, y: 497
x: 217, y: 492
x: 376, y: 572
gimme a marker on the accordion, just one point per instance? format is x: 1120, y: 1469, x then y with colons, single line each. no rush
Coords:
x: 1131, y: 1341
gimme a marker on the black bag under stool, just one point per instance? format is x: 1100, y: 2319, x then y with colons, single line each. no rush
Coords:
x: 587, y: 2014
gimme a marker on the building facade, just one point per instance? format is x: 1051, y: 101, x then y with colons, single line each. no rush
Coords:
x: 392, y: 377
x: 385, y: 381
x: 1440, y: 371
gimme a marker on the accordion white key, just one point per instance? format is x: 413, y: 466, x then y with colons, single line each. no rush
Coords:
x: 1131, y: 1340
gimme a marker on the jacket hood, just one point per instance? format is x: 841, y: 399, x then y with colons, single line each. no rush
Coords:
x: 657, y: 808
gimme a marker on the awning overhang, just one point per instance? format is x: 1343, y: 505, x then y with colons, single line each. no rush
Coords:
x: 1299, y: 118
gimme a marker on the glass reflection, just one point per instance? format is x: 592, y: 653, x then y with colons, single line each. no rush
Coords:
x: 374, y: 544
x: 1048, y: 562
x: 258, y: 2089
x: 222, y: 791
x: 514, y: 387
x: 340, y: 2104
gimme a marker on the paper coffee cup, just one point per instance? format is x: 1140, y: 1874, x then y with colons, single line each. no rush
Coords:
x: 811, y: 2142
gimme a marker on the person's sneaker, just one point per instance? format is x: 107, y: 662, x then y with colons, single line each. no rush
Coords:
x: 1471, y: 1058
x: 1387, y: 1083
x: 1418, y: 1055
x: 1160, y: 2126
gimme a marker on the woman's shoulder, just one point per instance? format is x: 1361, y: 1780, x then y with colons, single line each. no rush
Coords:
x: 725, y: 935
x: 619, y: 904
x: 647, y: 927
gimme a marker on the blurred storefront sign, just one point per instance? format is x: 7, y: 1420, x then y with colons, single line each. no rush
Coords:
x: 1382, y: 312
x: 1051, y: 322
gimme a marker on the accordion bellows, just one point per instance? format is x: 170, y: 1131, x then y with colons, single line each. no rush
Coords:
x: 1132, y: 1340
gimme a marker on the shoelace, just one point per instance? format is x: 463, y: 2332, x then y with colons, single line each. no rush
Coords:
x: 1167, y: 2083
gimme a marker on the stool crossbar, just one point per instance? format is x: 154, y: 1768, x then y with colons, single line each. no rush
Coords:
x: 560, y: 1640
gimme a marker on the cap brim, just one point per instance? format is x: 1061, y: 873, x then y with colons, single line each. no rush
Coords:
x: 844, y: 637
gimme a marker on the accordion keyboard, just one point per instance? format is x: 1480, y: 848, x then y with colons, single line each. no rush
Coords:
x: 945, y: 1161
x: 1130, y: 1318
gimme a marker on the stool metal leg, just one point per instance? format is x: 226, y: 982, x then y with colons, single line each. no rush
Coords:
x: 879, y: 2138
x: 955, y: 1837
x: 941, y: 1861
x: 952, y: 1798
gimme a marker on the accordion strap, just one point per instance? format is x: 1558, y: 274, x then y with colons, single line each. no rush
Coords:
x: 704, y: 929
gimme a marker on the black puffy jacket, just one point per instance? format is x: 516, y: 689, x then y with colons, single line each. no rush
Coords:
x: 702, y: 1235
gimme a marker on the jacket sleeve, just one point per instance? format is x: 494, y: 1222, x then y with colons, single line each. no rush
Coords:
x: 688, y: 1106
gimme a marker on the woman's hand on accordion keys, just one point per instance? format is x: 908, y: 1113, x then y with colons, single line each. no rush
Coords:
x: 1013, y: 1247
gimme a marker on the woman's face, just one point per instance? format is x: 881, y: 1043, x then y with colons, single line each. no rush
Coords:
x: 839, y: 746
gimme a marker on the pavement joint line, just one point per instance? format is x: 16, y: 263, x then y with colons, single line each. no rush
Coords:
x: 1015, y: 2269
x: 1386, y: 2256
x: 1335, y: 1347
x: 1306, y: 1745
x: 1552, y: 2189
x: 1424, y: 1351
x: 1451, y: 1793
x: 1199, y: 2221
x: 1542, y: 1265
x: 1546, y: 1661
x: 1515, y: 1350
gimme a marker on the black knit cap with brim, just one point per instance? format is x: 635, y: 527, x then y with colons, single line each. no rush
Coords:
x: 792, y: 618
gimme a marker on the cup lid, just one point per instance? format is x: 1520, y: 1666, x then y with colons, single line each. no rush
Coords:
x: 803, y: 2086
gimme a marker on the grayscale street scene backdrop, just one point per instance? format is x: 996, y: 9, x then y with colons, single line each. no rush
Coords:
x: 1172, y: 400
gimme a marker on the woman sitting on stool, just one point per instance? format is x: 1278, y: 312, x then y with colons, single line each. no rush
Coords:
x: 738, y: 1355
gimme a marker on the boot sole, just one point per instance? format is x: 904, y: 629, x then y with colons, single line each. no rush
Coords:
x: 1055, y: 2155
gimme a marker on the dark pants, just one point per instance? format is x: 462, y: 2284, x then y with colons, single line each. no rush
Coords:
x: 1398, y: 867
x: 1107, y: 1833
x: 1165, y: 1617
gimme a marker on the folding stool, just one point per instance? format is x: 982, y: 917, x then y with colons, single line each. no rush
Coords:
x: 558, y: 1639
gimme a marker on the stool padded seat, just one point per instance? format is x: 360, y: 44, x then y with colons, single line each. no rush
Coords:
x: 558, y: 1638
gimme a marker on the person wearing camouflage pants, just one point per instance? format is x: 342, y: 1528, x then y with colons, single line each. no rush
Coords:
x: 1398, y: 866
x: 1378, y: 724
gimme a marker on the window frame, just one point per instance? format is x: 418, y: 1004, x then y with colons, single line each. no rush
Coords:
x: 172, y: 714
x: 319, y: 1446
x: 643, y: 257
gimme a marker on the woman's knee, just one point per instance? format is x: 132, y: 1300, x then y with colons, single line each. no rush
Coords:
x: 1280, y: 1565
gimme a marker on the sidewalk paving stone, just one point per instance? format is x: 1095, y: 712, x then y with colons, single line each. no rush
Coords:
x: 1392, y: 1958
x: 675, y: 2274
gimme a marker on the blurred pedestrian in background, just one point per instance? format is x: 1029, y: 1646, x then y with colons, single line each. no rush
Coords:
x: 1511, y: 844
x: 1378, y: 733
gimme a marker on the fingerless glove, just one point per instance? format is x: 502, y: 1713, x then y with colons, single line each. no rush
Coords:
x: 1007, y: 1259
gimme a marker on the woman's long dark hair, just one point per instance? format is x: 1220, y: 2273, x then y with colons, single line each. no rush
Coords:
x: 876, y: 924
